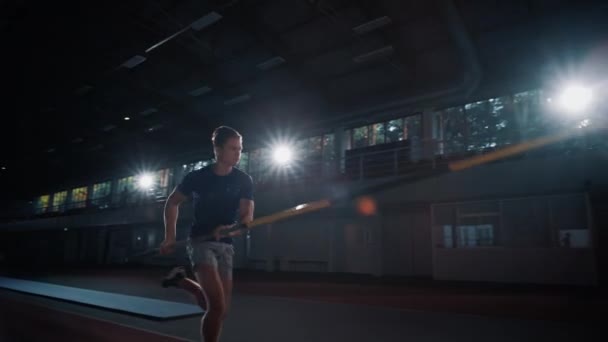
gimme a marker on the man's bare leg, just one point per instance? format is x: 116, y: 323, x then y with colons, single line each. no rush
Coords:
x: 177, y: 278
x: 213, y: 291
x: 195, y: 290
x: 226, y: 279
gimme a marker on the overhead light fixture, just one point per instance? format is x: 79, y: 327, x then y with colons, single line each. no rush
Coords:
x: 271, y: 63
x: 4, y: 168
x: 575, y: 98
x: 373, y: 55
x: 206, y: 21
x: 372, y: 25
x: 126, y: 118
x: 199, y: 91
x: 145, y: 181
x: 134, y: 61
x: 282, y: 155
x: 238, y: 99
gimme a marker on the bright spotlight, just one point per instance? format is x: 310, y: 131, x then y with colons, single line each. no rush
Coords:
x: 145, y: 181
x: 575, y: 98
x: 282, y: 155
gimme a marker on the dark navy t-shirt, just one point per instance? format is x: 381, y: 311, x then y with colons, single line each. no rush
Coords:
x: 215, y: 198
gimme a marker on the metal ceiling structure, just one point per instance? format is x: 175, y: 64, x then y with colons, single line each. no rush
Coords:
x: 72, y: 72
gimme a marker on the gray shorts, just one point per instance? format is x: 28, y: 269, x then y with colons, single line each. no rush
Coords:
x: 216, y: 254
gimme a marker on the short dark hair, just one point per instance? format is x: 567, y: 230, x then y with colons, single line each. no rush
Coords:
x: 222, y: 134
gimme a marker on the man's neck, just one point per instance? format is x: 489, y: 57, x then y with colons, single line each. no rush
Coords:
x: 221, y: 169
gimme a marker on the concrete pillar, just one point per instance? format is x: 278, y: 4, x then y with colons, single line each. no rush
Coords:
x: 340, y: 148
x: 269, y: 249
x: 428, y: 141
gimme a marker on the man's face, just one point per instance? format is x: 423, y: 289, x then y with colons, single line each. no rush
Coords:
x: 230, y: 153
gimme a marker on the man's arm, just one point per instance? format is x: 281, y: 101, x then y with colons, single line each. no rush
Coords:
x: 246, y: 207
x: 170, y: 217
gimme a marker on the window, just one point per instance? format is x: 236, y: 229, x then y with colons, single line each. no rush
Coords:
x: 534, y: 222
x: 125, y: 191
x: 361, y: 137
x: 59, y: 199
x: 475, y: 235
x: 395, y: 130
x: 463, y: 225
x: 377, y: 134
x: 502, y: 120
x: 329, y: 148
x: 527, y: 113
x: 453, y: 130
x: 79, y: 197
x: 42, y: 204
x: 100, y: 194
x: 163, y: 181
x: 315, y: 147
x: 481, y: 126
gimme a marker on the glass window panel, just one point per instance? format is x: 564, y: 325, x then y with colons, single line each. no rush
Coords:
x: 454, y: 130
x: 527, y: 113
x: 502, y: 115
x: 361, y: 137
x: 187, y: 168
x: 59, y: 199
x: 42, y: 204
x: 481, y: 125
x: 475, y: 235
x: 125, y: 187
x: 100, y: 194
x: 78, y: 197
x: 329, y: 147
x: 395, y: 130
x: 377, y: 134
x: 574, y: 238
x: 163, y: 182
x: 315, y: 147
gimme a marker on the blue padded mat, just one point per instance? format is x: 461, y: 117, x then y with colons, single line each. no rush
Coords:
x: 141, y: 306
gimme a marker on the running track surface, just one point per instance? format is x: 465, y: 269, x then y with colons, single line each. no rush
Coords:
x: 305, y: 307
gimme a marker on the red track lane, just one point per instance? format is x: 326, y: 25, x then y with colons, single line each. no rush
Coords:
x: 23, y: 322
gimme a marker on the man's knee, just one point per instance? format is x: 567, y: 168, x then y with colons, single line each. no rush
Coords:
x: 217, y: 309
